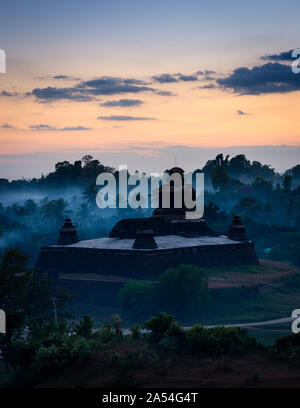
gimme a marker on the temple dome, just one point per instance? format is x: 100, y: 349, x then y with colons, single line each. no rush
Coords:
x: 144, y: 239
x: 170, y: 189
x: 67, y: 233
x: 237, y: 230
x: 175, y: 170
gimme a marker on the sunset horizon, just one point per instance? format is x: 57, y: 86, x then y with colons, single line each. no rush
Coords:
x: 137, y: 78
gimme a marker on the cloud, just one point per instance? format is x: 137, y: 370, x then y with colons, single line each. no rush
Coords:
x: 71, y: 128
x: 50, y: 94
x: 113, y: 86
x: 66, y: 77
x: 123, y: 118
x: 171, y: 78
x: 206, y: 72
x: 240, y: 112
x: 52, y: 128
x: 123, y: 103
x: 186, y: 78
x: 165, y: 78
x: 8, y: 94
x: 7, y: 126
x: 60, y: 76
x: 282, y: 56
x: 263, y: 79
x: 165, y: 93
x: 208, y: 86
x: 209, y: 72
x: 88, y: 90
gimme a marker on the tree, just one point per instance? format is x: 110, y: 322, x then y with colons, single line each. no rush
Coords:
x: 265, y: 171
x: 239, y: 165
x: 184, y: 288
x: 248, y: 206
x: 262, y: 186
x: 159, y: 325
x: 219, y: 177
x: 85, y: 327
x: 86, y: 159
x: 294, y: 172
x: 116, y: 323
x: 54, y: 211
x: 137, y: 297
x: 83, y: 213
x: 287, y: 183
x: 89, y: 194
x: 25, y: 297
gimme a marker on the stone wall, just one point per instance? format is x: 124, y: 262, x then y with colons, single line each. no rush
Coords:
x: 141, y: 264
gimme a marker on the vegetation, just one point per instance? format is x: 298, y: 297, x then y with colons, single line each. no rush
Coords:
x: 32, y: 211
x: 38, y: 347
x: 47, y: 351
x: 184, y: 288
x: 287, y: 348
x: 27, y: 298
x: 137, y: 297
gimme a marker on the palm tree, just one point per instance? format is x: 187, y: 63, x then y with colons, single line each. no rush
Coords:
x: 89, y: 194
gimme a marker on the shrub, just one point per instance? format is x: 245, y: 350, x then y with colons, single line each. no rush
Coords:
x: 137, y: 297
x: 47, y: 352
x: 174, y: 338
x: 160, y: 325
x: 219, y: 341
x: 85, y: 327
x: 136, y: 332
x: 184, y: 288
x: 117, y: 323
x: 287, y: 347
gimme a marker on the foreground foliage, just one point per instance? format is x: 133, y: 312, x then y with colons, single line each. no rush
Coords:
x: 47, y: 351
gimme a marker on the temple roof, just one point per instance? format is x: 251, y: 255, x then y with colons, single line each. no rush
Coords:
x: 163, y: 242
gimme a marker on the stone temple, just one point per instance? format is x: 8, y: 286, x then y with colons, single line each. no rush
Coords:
x: 143, y: 248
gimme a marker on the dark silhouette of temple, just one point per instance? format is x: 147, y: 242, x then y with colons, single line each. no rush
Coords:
x: 145, y: 247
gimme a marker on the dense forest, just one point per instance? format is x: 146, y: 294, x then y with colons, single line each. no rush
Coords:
x: 33, y: 210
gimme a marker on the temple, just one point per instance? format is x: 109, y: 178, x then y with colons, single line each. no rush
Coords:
x: 143, y: 248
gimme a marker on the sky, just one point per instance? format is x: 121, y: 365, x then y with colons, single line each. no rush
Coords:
x: 147, y: 83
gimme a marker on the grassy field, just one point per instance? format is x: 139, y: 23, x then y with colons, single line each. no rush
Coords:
x: 242, y: 309
x: 269, y: 306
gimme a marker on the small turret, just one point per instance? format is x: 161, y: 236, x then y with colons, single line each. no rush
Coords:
x: 144, y: 239
x: 237, y: 230
x: 67, y: 233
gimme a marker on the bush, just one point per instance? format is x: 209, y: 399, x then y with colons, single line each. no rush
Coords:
x: 85, y: 327
x: 173, y: 339
x: 166, y: 333
x: 216, y: 342
x: 137, y: 297
x: 47, y: 352
x: 219, y: 341
x: 117, y: 323
x: 287, y: 347
x: 184, y: 288
x: 160, y: 325
x: 136, y: 332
